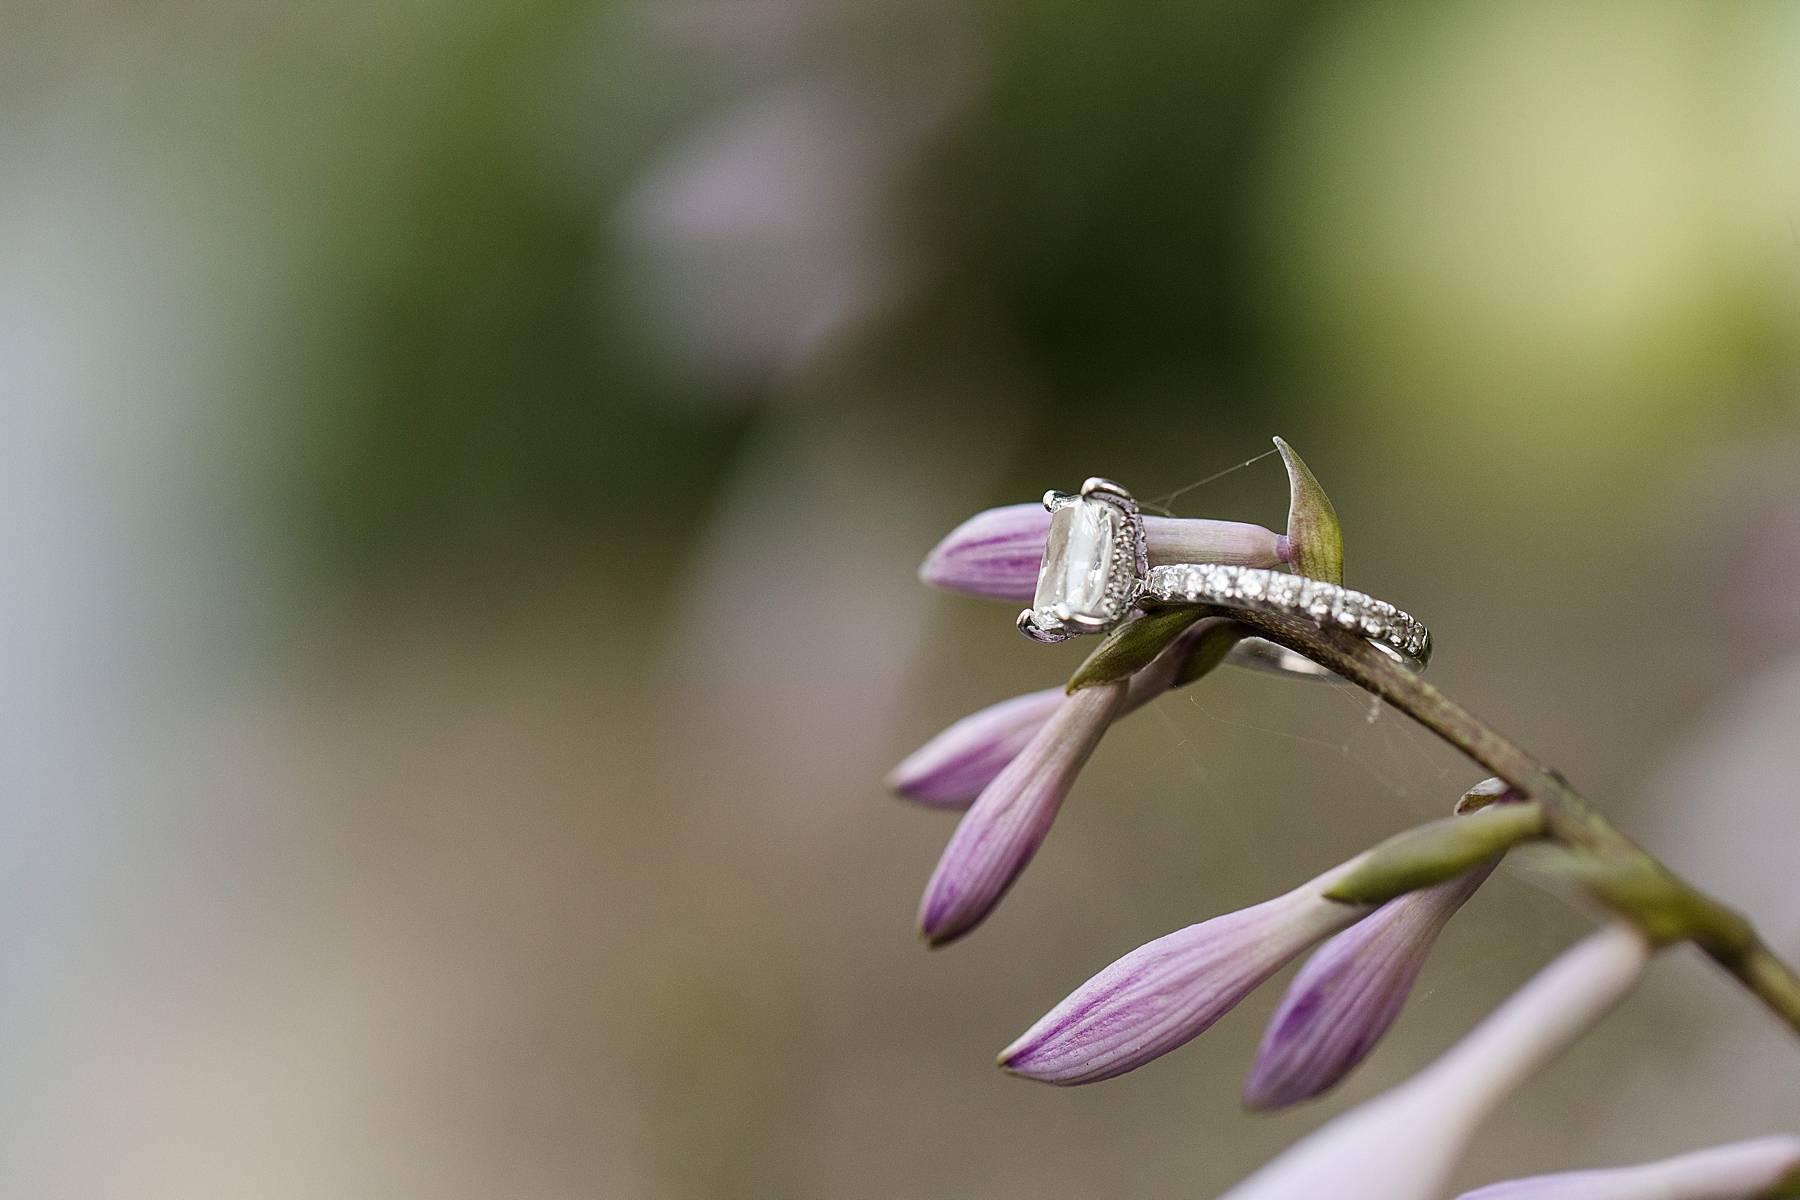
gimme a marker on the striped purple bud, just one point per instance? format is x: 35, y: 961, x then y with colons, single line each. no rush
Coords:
x: 996, y: 554
x: 1003, y: 828
x: 1349, y: 993
x: 1165, y: 993
x: 951, y: 769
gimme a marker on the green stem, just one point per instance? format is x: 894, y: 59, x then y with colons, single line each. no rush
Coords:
x: 1627, y: 878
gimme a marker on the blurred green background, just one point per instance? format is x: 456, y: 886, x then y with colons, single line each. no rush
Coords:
x: 463, y: 468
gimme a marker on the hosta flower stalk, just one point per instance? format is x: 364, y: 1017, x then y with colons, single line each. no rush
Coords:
x: 1018, y: 760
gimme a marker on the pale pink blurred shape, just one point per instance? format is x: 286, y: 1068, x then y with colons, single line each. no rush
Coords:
x: 998, y: 553
x: 1739, y: 1171
x: 1403, y: 1144
x: 1005, y: 825
x: 951, y: 769
x: 1349, y: 993
x: 1163, y: 994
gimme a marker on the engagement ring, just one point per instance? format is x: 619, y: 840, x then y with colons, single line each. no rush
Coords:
x: 1095, y: 571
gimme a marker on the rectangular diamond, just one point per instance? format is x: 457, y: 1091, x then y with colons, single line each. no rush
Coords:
x: 1080, y: 579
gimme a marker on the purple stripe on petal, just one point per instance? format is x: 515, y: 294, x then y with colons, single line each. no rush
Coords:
x: 1739, y: 1171
x: 996, y: 554
x: 1165, y: 993
x: 1002, y: 829
x: 951, y: 769
x: 1349, y: 993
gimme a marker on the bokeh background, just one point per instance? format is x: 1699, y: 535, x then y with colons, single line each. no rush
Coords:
x: 463, y: 467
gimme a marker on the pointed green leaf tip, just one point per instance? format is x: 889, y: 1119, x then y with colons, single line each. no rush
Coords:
x: 1441, y: 850
x: 1315, y: 539
x: 1488, y: 791
x: 1134, y: 645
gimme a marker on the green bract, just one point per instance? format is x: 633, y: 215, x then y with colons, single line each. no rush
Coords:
x: 1315, y: 539
x: 1134, y: 645
x: 1441, y: 850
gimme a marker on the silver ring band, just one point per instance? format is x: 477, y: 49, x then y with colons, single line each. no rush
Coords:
x: 1255, y: 589
x: 1260, y: 654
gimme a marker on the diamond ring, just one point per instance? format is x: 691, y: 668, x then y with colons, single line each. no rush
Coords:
x: 1095, y: 571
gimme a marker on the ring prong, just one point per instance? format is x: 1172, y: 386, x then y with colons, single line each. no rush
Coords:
x: 1030, y: 628
x: 1097, y: 484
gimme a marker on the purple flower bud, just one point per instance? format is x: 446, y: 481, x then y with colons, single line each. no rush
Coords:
x: 1163, y: 994
x: 1002, y: 829
x: 998, y: 553
x: 951, y: 769
x: 1740, y: 1171
x: 1403, y: 1144
x: 1348, y: 994
x: 1192, y: 540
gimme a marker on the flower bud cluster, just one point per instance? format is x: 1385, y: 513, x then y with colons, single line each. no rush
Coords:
x: 1012, y: 765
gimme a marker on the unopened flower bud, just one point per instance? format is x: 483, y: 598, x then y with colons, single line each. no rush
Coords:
x: 1165, y: 993
x: 1192, y: 540
x: 1349, y: 993
x: 952, y: 768
x: 996, y: 554
x: 1003, y: 828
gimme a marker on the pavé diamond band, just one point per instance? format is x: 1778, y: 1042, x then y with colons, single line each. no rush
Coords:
x: 1326, y: 604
